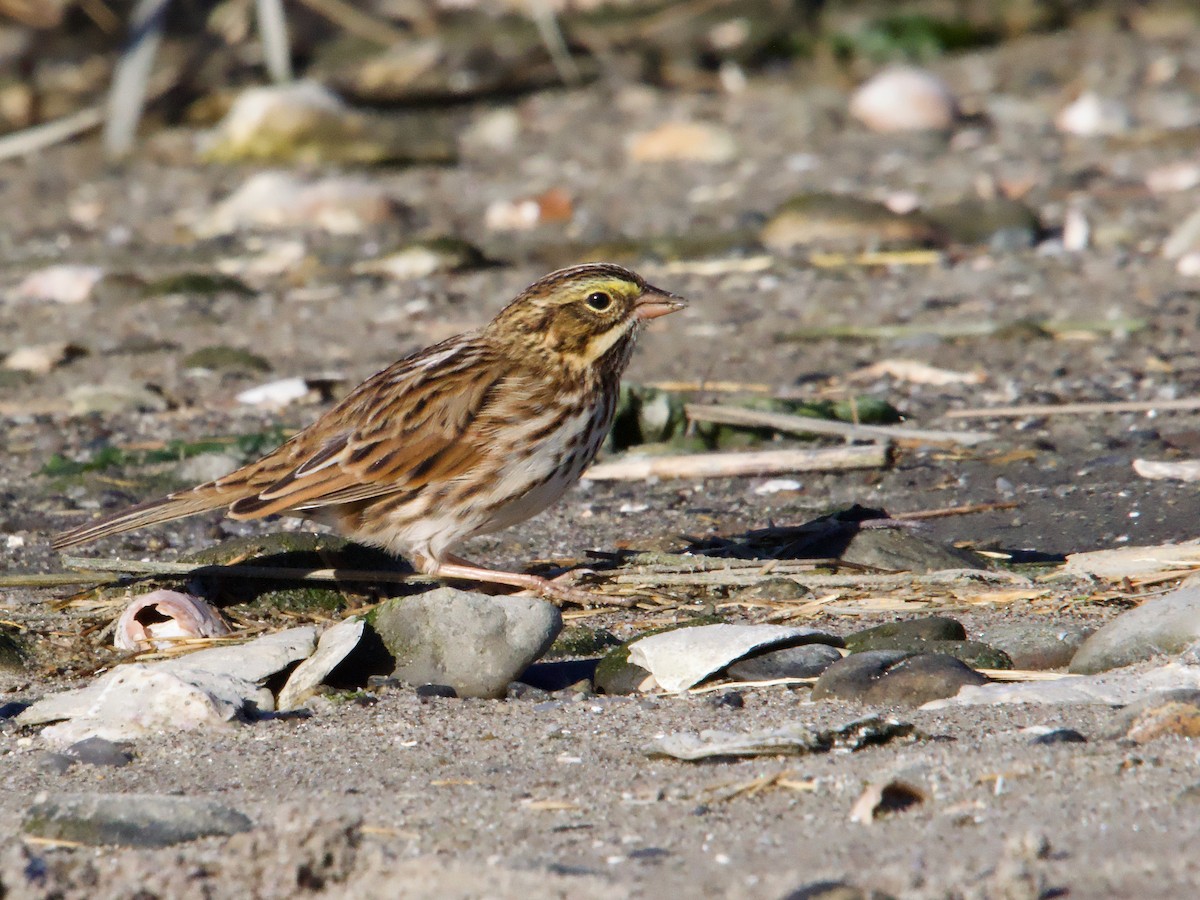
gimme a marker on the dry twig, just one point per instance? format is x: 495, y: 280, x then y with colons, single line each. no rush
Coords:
x: 729, y: 465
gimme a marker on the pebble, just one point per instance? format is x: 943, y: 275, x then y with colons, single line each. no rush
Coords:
x: 114, y: 398
x: 130, y: 820
x: 61, y: 284
x: 899, y: 549
x: 339, y: 204
x: 778, y: 486
x: 615, y: 674
x: 1170, y: 713
x: 895, y: 677
x: 1036, y: 645
x: 472, y: 642
x: 683, y: 142
x: 805, y: 661
x: 843, y: 221
x: 924, y: 628
x: 1163, y: 625
x: 524, y: 214
x: 833, y: 890
x: 779, y: 588
x: 1184, y: 238
x: 1058, y: 736
x: 40, y: 359
x: 904, y: 98
x: 1092, y: 115
x: 438, y: 691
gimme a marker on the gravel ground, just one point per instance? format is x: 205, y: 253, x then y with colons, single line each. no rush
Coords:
x: 451, y: 798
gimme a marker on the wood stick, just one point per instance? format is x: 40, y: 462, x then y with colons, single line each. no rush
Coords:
x: 282, y: 573
x: 1075, y: 409
x: 952, y: 330
x: 57, y: 579
x: 964, y: 510
x: 793, y: 424
x: 729, y: 465
x: 889, y: 580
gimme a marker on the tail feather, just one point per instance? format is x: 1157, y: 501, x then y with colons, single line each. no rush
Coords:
x: 164, y: 509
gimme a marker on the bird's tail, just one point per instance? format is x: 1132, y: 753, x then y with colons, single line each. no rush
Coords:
x: 164, y: 509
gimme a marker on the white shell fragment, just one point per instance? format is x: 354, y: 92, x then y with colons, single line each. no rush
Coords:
x: 789, y: 740
x: 40, y: 358
x: 1177, y: 470
x: 335, y: 645
x: 684, y: 657
x: 885, y: 796
x: 1092, y: 116
x: 203, y: 689
x: 285, y: 391
x: 162, y: 618
x: 904, y: 99
x: 61, y: 284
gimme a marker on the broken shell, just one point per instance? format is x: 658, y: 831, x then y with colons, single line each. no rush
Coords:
x: 904, y: 99
x: 161, y: 618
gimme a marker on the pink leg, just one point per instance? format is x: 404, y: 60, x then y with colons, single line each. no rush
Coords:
x: 457, y: 567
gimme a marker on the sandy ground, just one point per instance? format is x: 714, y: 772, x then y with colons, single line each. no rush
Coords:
x: 446, y: 798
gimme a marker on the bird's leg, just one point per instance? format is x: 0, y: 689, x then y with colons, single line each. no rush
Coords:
x: 455, y: 567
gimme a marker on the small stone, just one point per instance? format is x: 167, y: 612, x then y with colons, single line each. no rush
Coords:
x: 832, y: 890
x: 425, y: 258
x: 615, y: 674
x: 306, y: 122
x: 1161, y: 625
x: 1036, y: 646
x: 895, y: 677
x: 683, y: 142
x: 1171, y: 713
x: 223, y: 358
x: 54, y: 763
x: 526, y: 213
x: 904, y: 99
x: 112, y: 399
x: 1002, y: 224
x: 473, y: 642
x: 39, y: 359
x: 842, y: 221
x: 1092, y: 115
x: 95, y: 751
x: 778, y: 589
x: 280, y: 200
x: 13, y: 655
x: 728, y: 700
x: 436, y: 691
x: 131, y: 820
x: 518, y: 690
x: 805, y: 661
x: 925, y: 628
x: 1059, y: 736
x: 778, y: 486
x: 61, y: 284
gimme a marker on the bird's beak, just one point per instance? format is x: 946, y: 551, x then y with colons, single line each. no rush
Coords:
x: 656, y: 302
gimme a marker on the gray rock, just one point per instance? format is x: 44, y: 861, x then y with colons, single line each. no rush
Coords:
x: 1059, y: 736
x: 131, y: 820
x: 475, y: 643
x: 615, y: 674
x: 774, y: 589
x: 99, y: 752
x: 901, y: 550
x: 1161, y: 625
x: 973, y: 653
x: 805, y: 661
x: 1036, y: 646
x: 895, y: 677
x: 925, y: 628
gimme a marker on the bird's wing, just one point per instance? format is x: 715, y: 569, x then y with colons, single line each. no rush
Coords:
x: 402, y: 429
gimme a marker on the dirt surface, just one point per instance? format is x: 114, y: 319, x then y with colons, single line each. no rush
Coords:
x: 396, y: 796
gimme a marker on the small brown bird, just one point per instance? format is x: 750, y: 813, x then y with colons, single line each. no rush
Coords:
x: 466, y: 437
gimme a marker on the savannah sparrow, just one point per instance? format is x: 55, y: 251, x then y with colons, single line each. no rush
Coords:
x: 466, y: 437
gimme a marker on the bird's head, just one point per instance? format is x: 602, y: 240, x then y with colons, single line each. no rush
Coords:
x: 584, y: 316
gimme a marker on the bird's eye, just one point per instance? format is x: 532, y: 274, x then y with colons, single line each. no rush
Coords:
x: 599, y: 301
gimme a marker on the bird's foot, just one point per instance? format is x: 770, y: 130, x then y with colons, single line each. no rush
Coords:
x: 556, y: 590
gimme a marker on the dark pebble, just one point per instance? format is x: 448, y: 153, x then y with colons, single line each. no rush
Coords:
x: 54, y: 763
x: 131, y: 820
x: 1060, y: 736
x: 96, y: 751
x: 430, y: 691
x: 728, y: 700
x: 895, y: 677
x: 805, y: 661
x: 926, y: 628
x: 832, y: 890
x: 518, y: 690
